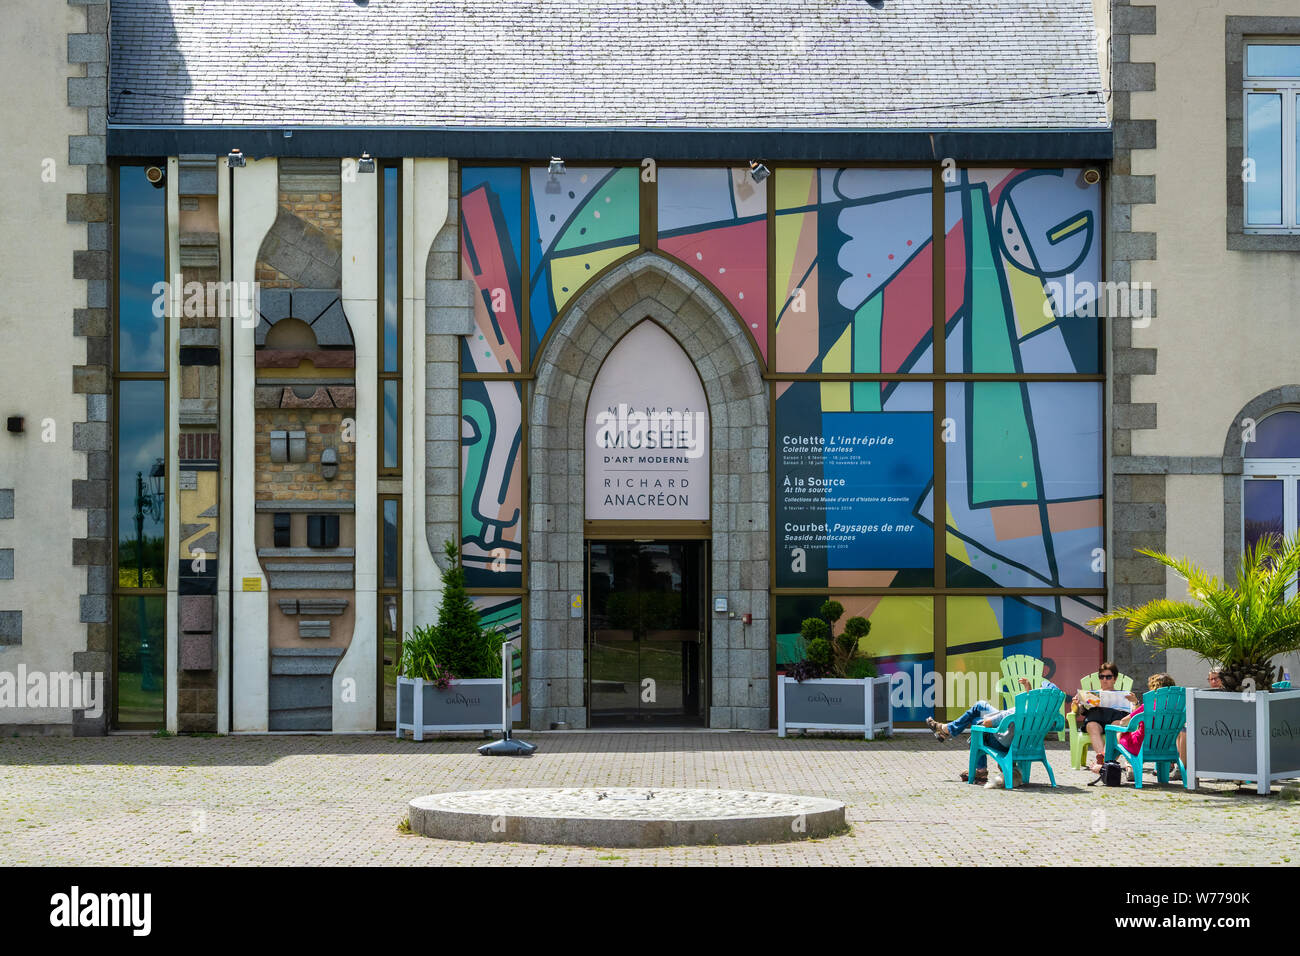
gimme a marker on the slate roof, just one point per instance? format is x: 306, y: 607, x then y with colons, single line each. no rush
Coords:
x: 624, y: 64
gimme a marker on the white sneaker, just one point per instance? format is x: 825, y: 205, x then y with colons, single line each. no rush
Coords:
x: 998, y: 781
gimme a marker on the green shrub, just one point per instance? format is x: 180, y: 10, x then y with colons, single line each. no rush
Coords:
x: 814, y: 629
x: 860, y: 667
x: 833, y: 656
x: 419, y: 657
x: 819, y: 652
x: 458, y: 645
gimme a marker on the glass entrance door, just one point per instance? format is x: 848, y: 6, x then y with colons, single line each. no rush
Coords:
x: 646, y: 623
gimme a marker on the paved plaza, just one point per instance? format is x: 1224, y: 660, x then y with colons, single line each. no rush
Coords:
x: 323, y: 800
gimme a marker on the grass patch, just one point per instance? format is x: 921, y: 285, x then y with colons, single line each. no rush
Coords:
x: 405, y: 826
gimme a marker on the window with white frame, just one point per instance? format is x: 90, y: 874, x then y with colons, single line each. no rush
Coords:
x: 1271, y: 77
x: 1271, y: 479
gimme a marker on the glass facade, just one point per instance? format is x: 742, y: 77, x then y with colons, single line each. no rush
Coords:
x: 140, y: 450
x: 909, y: 378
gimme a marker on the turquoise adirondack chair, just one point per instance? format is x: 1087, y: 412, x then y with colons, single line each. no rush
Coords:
x: 1015, y: 667
x: 1037, y: 713
x: 1164, y: 712
x: 1079, y: 741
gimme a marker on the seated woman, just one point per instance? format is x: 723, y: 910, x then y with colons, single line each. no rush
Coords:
x: 1095, y: 719
x: 1132, y: 741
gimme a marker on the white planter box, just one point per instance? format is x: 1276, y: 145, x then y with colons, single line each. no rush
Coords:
x: 466, y: 705
x: 834, y: 703
x: 1233, y: 736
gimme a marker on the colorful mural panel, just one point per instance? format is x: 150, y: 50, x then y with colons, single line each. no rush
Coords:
x: 491, y: 214
x: 854, y: 474
x: 581, y: 222
x: 901, y: 642
x: 491, y: 492
x: 984, y: 630
x: 1023, y: 264
x: 1024, y: 481
x: 506, y: 614
x: 714, y: 221
x: 853, y: 270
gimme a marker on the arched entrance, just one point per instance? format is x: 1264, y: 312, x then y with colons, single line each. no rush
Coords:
x: 736, y: 665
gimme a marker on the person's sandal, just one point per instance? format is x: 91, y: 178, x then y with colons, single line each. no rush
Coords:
x: 940, y: 730
x: 980, y: 776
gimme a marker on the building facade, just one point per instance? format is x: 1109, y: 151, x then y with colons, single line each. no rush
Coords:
x: 1204, y: 213
x: 666, y: 353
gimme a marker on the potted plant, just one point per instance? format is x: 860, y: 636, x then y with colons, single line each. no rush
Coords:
x: 1234, y: 733
x: 835, y: 686
x: 451, y: 677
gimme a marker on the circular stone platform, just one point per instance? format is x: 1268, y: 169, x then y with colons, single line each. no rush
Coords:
x: 624, y: 816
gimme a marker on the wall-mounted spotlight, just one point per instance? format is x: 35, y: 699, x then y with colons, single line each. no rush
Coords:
x: 758, y: 171
x: 157, y: 178
x: 236, y: 157
x: 1092, y: 176
x: 366, y: 164
x: 556, y: 168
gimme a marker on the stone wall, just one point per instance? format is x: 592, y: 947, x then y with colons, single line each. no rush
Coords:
x: 303, y: 481
x: 1137, y: 505
x: 87, y: 88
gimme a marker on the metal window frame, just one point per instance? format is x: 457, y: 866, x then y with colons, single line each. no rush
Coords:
x: 116, y: 591
x: 1288, y: 92
x: 381, y: 173
x: 383, y: 591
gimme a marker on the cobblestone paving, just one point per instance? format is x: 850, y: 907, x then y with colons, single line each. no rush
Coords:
x: 326, y: 801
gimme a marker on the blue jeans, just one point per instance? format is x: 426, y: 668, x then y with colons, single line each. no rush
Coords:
x: 991, y: 740
x: 979, y: 711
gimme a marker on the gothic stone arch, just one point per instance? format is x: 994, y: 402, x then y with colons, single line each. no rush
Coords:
x: 649, y: 286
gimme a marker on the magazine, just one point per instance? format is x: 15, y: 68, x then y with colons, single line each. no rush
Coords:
x: 1115, y: 699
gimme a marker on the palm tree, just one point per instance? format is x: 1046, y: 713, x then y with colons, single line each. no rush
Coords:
x: 1242, y: 628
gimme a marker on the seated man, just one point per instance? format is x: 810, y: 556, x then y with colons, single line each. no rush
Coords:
x: 988, y: 716
x: 1095, y: 719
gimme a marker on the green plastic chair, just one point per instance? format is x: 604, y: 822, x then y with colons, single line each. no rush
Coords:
x: 1015, y: 667
x: 1164, y: 712
x: 1037, y: 713
x: 1080, y: 743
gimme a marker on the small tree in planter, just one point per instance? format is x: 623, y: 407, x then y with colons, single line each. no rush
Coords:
x: 458, y: 646
x: 1243, y: 627
x: 451, y: 671
x: 846, y: 694
x: 828, y: 655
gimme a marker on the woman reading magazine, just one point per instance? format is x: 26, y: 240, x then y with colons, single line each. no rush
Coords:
x: 1099, y: 708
